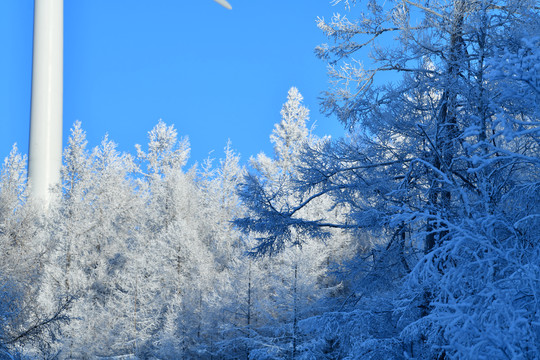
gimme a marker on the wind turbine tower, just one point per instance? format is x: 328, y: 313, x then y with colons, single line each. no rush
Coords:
x: 45, y: 151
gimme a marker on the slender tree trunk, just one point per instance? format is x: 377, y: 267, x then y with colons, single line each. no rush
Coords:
x: 444, y: 152
x: 248, y: 316
x: 135, y: 310
x: 295, y: 312
x: 199, y: 317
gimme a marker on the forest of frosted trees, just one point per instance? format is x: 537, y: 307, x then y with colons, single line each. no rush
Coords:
x: 415, y: 236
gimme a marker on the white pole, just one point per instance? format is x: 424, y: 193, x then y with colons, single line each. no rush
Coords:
x: 45, y: 152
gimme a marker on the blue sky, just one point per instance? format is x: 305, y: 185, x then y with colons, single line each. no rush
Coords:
x: 213, y: 73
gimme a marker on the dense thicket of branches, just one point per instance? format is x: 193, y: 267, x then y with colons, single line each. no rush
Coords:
x: 441, y: 168
x: 415, y: 236
x: 135, y: 256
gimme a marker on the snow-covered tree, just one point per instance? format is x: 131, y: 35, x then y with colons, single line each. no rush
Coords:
x: 431, y: 160
x: 24, y: 242
x: 95, y: 227
x: 296, y: 275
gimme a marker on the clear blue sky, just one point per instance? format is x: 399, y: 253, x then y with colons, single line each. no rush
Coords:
x: 213, y: 73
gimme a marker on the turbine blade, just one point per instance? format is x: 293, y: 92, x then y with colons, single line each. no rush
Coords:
x: 224, y: 3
